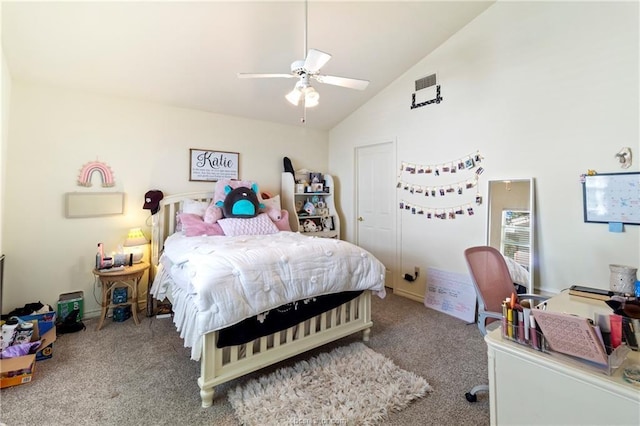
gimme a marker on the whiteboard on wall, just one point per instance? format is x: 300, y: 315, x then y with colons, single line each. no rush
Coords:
x: 451, y: 293
x: 612, y: 197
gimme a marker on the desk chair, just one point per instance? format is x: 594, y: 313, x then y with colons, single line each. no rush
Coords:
x: 493, y: 284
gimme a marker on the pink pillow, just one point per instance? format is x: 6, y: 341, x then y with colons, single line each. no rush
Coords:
x: 283, y: 223
x: 212, y: 214
x: 194, y: 226
x: 259, y: 225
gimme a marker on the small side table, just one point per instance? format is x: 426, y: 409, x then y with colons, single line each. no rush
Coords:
x: 129, y: 277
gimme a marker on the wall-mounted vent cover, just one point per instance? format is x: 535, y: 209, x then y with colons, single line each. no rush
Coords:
x: 427, y: 92
x: 425, y: 82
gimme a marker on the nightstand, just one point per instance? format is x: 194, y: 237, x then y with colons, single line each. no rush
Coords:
x: 128, y: 277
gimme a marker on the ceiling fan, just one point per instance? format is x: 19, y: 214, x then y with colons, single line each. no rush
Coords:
x: 307, y: 70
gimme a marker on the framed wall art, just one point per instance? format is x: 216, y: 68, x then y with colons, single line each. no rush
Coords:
x: 210, y: 166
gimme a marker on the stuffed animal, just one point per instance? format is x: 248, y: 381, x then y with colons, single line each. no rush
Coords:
x: 309, y: 226
x: 240, y: 202
x: 309, y: 208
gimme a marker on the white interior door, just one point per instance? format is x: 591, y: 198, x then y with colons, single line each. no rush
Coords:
x: 376, y: 206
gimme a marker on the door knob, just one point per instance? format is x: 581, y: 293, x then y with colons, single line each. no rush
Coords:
x: 360, y: 219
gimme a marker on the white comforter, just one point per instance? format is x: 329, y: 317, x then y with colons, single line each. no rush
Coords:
x: 234, y: 278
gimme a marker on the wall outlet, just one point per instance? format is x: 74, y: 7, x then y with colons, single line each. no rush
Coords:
x: 417, y: 271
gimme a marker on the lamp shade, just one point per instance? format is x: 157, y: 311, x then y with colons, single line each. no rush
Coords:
x: 135, y: 237
x: 311, y: 97
x: 294, y: 96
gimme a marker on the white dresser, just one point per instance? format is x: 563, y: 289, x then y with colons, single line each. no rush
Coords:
x: 535, y: 388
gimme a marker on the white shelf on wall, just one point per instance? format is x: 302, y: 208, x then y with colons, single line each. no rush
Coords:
x: 294, y: 198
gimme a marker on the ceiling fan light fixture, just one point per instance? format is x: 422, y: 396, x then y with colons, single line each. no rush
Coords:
x: 294, y: 96
x: 309, y: 69
x: 311, y: 97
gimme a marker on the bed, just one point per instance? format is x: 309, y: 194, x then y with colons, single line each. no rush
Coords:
x: 258, y: 279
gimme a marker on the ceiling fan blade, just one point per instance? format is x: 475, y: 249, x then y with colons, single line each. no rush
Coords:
x: 315, y: 60
x: 249, y: 75
x: 351, y: 83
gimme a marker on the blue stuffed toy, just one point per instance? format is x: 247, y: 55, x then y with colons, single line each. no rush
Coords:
x: 240, y: 202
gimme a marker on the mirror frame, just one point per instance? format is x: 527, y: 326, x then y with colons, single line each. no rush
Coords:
x: 532, y: 221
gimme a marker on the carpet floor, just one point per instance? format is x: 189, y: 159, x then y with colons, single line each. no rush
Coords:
x: 132, y: 375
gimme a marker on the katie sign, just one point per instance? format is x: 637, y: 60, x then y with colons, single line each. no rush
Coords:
x: 211, y: 166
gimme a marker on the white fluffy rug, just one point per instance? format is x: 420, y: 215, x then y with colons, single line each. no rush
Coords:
x: 351, y: 385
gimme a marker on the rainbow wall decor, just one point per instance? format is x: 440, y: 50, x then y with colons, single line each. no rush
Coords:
x: 84, y: 179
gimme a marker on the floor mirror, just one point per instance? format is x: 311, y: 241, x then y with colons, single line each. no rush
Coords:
x: 510, y: 222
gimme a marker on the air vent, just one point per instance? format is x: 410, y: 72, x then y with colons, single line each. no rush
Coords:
x: 425, y: 82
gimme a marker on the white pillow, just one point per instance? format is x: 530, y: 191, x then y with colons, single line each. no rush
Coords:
x: 273, y: 202
x: 272, y: 208
x: 195, y: 207
x: 259, y: 225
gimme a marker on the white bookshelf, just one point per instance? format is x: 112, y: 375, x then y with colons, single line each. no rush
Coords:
x: 323, y: 215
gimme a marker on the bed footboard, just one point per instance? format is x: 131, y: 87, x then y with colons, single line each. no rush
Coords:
x: 219, y: 365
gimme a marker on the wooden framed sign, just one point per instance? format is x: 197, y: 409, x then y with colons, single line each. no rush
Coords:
x: 211, y: 166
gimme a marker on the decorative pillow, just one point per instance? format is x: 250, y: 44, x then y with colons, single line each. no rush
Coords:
x: 194, y: 226
x: 240, y: 202
x: 212, y: 214
x: 283, y: 223
x: 272, y: 208
x: 259, y: 225
x: 195, y: 207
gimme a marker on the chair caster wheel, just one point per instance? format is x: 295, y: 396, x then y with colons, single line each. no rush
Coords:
x: 470, y: 397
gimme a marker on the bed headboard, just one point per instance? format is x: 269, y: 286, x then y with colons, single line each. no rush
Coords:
x: 164, y: 221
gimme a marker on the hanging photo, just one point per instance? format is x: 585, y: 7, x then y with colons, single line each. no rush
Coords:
x: 468, y: 164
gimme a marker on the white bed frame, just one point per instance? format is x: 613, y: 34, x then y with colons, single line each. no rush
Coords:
x: 218, y: 366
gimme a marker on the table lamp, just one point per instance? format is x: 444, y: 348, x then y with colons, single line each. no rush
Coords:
x: 134, y: 243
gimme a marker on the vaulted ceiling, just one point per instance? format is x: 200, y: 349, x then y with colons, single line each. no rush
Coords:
x: 188, y: 54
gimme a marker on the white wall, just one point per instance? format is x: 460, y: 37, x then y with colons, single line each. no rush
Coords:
x: 4, y: 107
x: 541, y: 89
x: 55, y: 132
